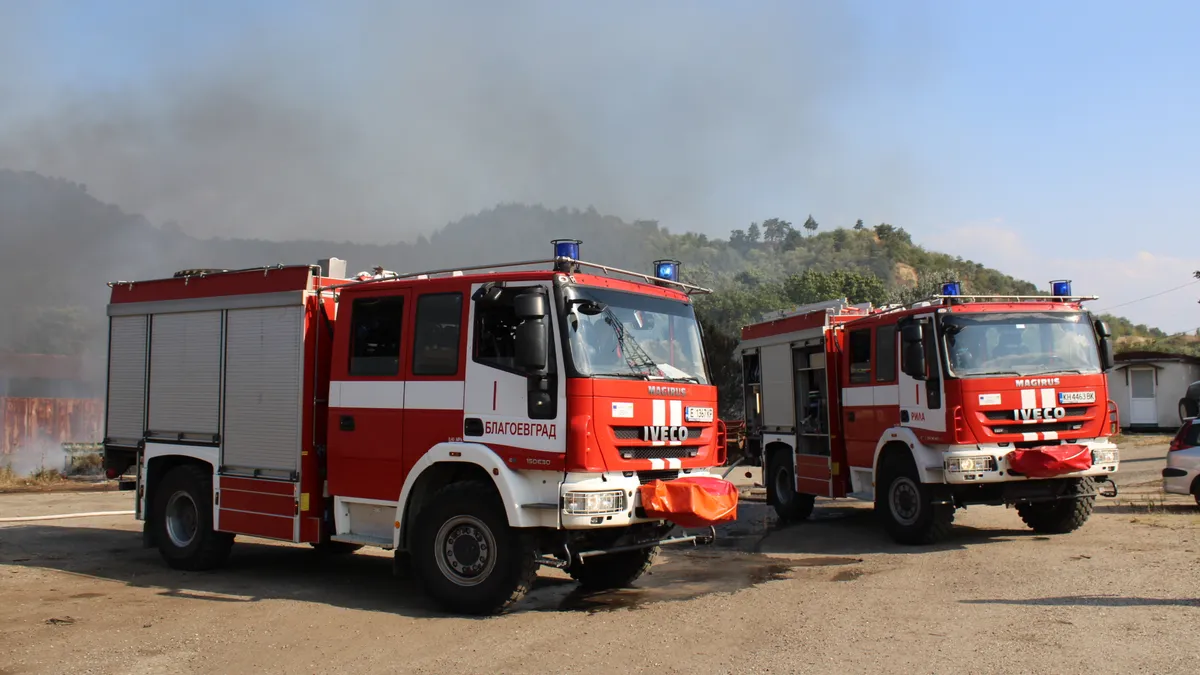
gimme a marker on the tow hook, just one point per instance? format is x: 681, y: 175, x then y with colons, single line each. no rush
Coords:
x: 1112, y: 489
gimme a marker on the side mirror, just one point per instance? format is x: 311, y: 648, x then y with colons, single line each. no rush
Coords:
x: 533, y: 344
x: 1102, y: 329
x: 914, y: 357
x: 1107, y: 361
x: 913, y: 332
x: 531, y: 305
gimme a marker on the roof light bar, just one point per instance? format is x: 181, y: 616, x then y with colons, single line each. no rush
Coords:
x: 666, y: 270
x: 566, y: 251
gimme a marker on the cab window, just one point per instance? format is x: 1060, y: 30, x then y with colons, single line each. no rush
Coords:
x: 435, y: 342
x: 375, y: 330
x: 860, y: 356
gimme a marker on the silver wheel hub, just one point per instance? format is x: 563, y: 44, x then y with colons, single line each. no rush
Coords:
x: 465, y: 550
x: 183, y: 519
x: 904, y: 497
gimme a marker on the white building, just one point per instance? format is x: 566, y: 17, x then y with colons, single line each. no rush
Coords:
x: 1148, y: 387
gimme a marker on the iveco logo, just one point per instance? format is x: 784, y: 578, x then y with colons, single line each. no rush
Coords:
x: 678, y: 434
x: 657, y: 390
x: 1038, y: 382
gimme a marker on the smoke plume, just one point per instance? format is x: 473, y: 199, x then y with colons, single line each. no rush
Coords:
x: 379, y: 120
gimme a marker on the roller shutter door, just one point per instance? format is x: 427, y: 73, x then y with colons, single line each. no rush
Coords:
x: 263, y: 388
x: 185, y: 373
x: 126, y: 405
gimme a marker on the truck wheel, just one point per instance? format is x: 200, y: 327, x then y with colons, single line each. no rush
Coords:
x: 465, y: 554
x: 906, y: 505
x: 781, y: 489
x: 183, y: 521
x: 615, y: 570
x: 1064, y: 515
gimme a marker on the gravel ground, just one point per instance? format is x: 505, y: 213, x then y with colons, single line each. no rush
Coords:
x: 831, y: 595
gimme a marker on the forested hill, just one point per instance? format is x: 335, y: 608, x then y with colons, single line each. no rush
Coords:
x: 60, y: 246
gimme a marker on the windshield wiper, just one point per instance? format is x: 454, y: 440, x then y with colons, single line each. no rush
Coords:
x: 993, y: 372
x: 632, y: 375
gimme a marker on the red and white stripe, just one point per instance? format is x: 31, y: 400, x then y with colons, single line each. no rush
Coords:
x: 1029, y: 399
x: 659, y: 409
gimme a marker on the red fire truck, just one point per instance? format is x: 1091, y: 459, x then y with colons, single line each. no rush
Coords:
x: 927, y: 408
x: 479, y: 425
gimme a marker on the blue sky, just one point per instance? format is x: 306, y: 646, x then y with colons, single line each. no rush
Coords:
x: 1047, y: 139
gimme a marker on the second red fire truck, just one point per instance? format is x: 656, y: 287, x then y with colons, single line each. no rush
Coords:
x: 479, y: 425
x: 924, y: 409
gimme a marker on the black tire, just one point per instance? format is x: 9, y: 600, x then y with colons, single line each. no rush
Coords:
x: 615, y: 570
x: 334, y: 548
x: 790, y: 506
x: 183, y: 523
x: 471, y: 512
x: 1063, y: 515
x: 906, y: 505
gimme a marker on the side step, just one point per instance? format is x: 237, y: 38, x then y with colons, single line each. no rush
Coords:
x: 364, y: 539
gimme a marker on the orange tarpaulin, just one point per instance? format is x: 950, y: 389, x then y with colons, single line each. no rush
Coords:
x: 691, y: 501
x: 1051, y: 460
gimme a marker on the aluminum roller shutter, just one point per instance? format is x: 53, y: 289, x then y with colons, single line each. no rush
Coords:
x: 777, y: 393
x: 263, y: 388
x: 126, y: 404
x: 185, y: 373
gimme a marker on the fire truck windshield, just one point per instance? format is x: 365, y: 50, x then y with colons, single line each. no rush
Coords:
x: 1028, y: 343
x: 617, y: 334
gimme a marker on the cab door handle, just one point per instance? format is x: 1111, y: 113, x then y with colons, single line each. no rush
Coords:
x: 346, y: 423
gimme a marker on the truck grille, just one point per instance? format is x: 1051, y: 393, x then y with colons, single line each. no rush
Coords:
x: 647, y: 476
x: 635, y: 433
x: 659, y: 451
x: 1030, y: 428
x: 1007, y: 415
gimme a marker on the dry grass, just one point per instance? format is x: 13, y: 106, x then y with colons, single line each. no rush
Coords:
x: 1140, y: 440
x: 41, y: 477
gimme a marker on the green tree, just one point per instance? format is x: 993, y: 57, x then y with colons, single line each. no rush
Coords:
x: 858, y: 224
x: 811, y: 225
x: 811, y: 286
x: 753, y: 234
x: 775, y: 231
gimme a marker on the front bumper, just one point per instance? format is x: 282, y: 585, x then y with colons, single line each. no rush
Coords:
x: 996, y: 468
x: 603, y: 483
x: 1178, y: 481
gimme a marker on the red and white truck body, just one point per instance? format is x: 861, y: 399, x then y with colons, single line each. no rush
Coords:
x: 476, y: 424
x: 923, y: 409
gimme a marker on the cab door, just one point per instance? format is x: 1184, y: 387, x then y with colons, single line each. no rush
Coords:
x: 519, y: 415
x: 367, y: 396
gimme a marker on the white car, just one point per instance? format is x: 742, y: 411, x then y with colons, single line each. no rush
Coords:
x: 1182, y: 474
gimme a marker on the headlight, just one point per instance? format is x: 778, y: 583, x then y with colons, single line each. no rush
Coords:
x: 963, y: 464
x: 1105, y: 456
x: 594, y: 503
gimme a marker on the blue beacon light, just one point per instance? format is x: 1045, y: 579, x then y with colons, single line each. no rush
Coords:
x: 1061, y: 288
x: 667, y: 270
x: 951, y: 288
x: 566, y: 248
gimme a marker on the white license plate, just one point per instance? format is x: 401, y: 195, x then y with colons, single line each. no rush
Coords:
x: 1076, y: 397
x: 698, y: 414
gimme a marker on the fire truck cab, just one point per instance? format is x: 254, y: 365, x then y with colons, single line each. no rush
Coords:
x: 479, y: 425
x: 954, y: 401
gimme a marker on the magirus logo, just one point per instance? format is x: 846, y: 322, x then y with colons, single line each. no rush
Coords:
x: 659, y: 390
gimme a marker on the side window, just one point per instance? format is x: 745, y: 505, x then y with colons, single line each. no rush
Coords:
x: 496, y: 331
x: 435, y: 343
x: 860, y: 356
x: 885, y: 354
x: 375, y: 328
